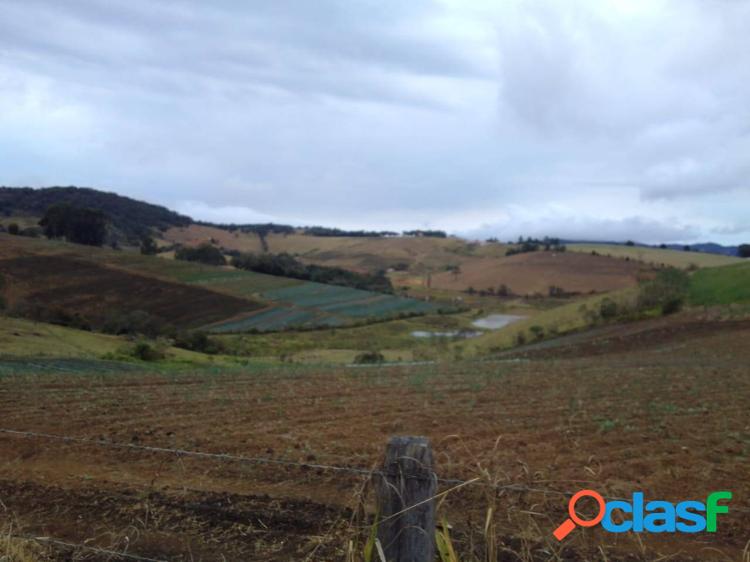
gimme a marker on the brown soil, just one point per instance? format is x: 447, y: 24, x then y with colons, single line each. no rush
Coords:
x: 662, y: 410
x: 536, y: 272
x: 95, y: 292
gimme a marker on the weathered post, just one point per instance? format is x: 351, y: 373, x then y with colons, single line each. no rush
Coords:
x: 406, y: 533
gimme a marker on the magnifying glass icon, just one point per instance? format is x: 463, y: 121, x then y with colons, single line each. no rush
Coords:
x: 569, y: 524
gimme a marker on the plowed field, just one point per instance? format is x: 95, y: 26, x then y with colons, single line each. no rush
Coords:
x: 666, y: 415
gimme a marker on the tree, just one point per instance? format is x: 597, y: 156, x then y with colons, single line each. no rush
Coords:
x: 630, y: 243
x: 205, y: 253
x: 75, y: 224
x: 744, y: 250
x: 148, y: 246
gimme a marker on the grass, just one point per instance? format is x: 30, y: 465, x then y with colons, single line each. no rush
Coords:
x: 570, y: 317
x: 721, y: 285
x: 656, y: 256
x: 566, y: 318
x: 18, y: 550
x: 341, y: 344
x: 23, y: 338
x: 20, y: 338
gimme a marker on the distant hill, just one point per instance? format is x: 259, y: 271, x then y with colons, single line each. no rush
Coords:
x: 130, y: 218
x: 704, y: 247
x: 708, y: 248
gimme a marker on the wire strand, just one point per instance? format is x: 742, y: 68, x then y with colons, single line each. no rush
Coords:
x: 119, y: 554
x: 280, y: 462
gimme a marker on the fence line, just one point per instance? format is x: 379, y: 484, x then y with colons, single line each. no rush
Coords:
x: 58, y: 542
x: 513, y: 487
x: 266, y: 460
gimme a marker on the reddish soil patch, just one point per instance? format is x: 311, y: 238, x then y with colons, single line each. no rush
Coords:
x: 536, y: 272
x: 668, y: 419
x: 95, y: 292
x: 659, y: 334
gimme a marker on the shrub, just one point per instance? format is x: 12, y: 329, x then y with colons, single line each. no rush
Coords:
x: 136, y: 322
x: 147, y: 352
x: 13, y: 229
x: 369, y: 358
x: 537, y: 331
x: 205, y: 253
x: 286, y: 265
x: 200, y: 342
x: 666, y: 292
x: 148, y: 246
x: 608, y: 309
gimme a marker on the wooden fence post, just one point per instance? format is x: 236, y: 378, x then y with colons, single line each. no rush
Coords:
x: 407, y: 479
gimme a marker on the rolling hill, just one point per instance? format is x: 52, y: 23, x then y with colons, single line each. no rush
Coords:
x: 95, y: 283
x: 656, y: 256
x: 130, y: 218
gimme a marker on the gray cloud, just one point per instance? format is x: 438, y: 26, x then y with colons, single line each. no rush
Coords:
x: 592, y: 117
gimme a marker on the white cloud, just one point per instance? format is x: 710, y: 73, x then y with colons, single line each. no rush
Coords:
x: 224, y: 214
x: 586, y: 116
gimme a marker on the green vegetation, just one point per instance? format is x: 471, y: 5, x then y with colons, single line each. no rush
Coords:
x: 341, y: 344
x: 667, y: 292
x: 205, y: 254
x: 311, y: 305
x: 347, y: 302
x: 131, y: 219
x: 721, y: 285
x: 286, y: 265
x: 79, y: 225
x: 369, y: 358
x: 534, y: 245
x: 148, y: 246
x: 426, y: 233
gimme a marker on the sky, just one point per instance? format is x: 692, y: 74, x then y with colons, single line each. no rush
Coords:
x: 583, y: 119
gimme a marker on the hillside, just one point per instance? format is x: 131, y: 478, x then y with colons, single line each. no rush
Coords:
x: 363, y: 254
x: 97, y: 282
x: 130, y: 218
x: 721, y: 285
x: 656, y: 256
x: 535, y: 272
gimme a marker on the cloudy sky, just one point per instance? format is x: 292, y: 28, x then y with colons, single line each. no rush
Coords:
x: 599, y: 119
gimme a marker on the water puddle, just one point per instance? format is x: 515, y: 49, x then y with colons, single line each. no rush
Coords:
x: 496, y: 321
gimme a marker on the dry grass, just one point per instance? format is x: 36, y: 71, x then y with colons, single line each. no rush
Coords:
x: 656, y: 256
x: 15, y: 549
x: 535, y: 272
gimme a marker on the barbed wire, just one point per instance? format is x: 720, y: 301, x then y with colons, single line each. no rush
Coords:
x: 98, y: 550
x: 310, y: 466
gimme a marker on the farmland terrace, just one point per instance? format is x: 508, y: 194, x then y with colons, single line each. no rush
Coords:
x: 92, y: 282
x: 666, y: 415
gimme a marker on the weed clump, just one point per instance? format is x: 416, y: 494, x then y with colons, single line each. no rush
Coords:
x: 369, y: 358
x: 200, y: 342
x: 666, y: 293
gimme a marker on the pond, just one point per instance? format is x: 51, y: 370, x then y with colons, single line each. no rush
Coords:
x: 491, y: 322
x: 496, y: 321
